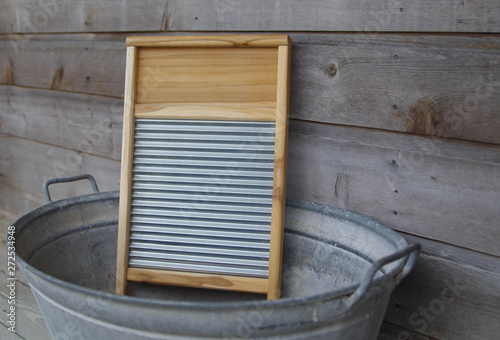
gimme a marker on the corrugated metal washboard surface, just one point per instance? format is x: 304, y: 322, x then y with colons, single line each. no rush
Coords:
x: 202, y: 196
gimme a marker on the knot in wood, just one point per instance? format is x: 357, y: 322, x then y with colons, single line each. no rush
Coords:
x: 331, y: 70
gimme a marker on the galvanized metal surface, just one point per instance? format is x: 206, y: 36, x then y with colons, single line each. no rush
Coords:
x: 173, y: 201
x: 67, y: 251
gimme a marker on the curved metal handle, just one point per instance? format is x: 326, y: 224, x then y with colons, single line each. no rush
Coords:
x: 411, y: 254
x: 64, y: 180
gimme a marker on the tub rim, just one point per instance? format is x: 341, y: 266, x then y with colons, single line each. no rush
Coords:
x: 343, y: 293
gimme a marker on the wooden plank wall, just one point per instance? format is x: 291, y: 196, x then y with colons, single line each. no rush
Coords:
x: 394, y: 114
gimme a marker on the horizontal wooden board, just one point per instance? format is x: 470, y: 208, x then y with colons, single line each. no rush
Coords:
x: 187, y: 75
x: 446, y: 300
x: 86, y: 123
x: 26, y: 164
x: 456, y: 254
x: 446, y: 191
x: 16, y: 202
x: 258, y: 111
x: 35, y: 16
x: 446, y: 86
x: 86, y: 63
x: 340, y: 15
x: 439, y: 85
x: 32, y: 16
x: 219, y: 41
x: 390, y: 331
x: 199, y: 280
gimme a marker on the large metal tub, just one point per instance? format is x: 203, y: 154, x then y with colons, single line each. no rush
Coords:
x: 335, y: 284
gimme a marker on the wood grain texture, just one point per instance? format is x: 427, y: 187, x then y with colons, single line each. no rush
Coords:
x: 446, y: 300
x: 33, y: 16
x: 17, y: 201
x: 260, y: 111
x: 280, y: 169
x: 126, y: 171
x: 390, y: 331
x: 445, y: 86
x: 86, y: 63
x: 216, y: 41
x: 26, y: 164
x: 198, y: 280
x: 187, y: 75
x: 441, y: 190
x: 81, y: 122
x: 340, y: 15
x: 456, y: 254
x: 439, y: 85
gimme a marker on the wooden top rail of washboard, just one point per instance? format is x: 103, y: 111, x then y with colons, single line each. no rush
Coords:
x: 203, y: 174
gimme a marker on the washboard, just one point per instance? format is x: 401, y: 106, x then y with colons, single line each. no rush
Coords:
x: 203, y: 175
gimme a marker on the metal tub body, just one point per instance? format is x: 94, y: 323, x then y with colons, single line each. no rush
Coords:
x: 339, y: 269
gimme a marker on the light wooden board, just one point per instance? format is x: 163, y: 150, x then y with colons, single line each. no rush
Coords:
x: 340, y: 15
x: 87, y: 123
x: 200, y: 280
x: 280, y: 171
x: 126, y: 170
x: 261, y: 111
x: 33, y: 16
x: 220, y: 75
x: 440, y: 85
x: 447, y: 300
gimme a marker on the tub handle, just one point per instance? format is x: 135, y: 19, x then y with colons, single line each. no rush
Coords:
x: 67, y: 179
x: 411, y: 254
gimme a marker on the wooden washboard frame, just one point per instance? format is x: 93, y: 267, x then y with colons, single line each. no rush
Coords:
x: 229, y: 85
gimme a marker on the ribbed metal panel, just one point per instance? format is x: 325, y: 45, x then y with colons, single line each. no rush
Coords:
x: 202, y: 195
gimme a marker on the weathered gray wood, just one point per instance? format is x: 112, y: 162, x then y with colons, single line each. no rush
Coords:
x: 26, y: 164
x: 441, y: 190
x: 340, y: 15
x: 86, y: 123
x: 429, y: 85
x: 444, y: 86
x: 389, y: 331
x: 456, y: 254
x: 85, y: 63
x: 36, y: 16
x: 446, y: 300
x: 17, y: 201
x: 29, y: 321
x: 6, y: 334
x: 31, y: 16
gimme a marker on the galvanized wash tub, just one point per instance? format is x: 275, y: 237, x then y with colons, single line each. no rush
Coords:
x: 339, y: 269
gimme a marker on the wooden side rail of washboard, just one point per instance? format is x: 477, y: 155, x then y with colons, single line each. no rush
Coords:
x: 203, y: 173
